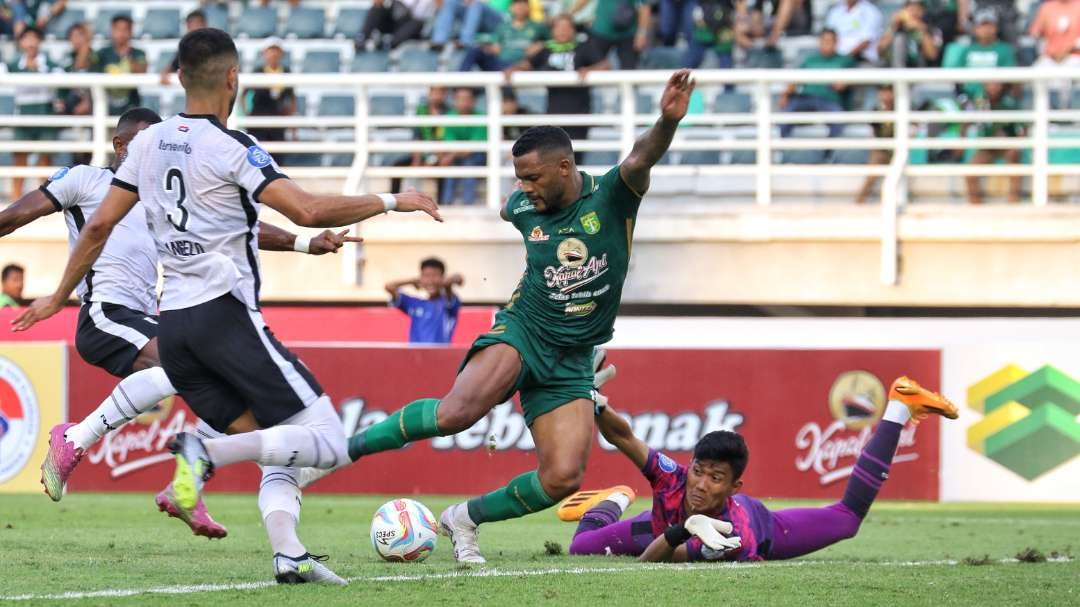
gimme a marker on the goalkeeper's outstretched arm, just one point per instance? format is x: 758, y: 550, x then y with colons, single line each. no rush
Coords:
x: 617, y: 431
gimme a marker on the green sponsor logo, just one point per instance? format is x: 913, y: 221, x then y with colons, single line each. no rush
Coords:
x: 591, y: 222
x: 1029, y: 422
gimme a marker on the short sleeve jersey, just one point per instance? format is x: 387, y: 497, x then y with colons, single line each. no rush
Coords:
x: 431, y: 321
x: 200, y: 183
x: 126, y: 272
x: 576, y: 260
x: 747, y: 515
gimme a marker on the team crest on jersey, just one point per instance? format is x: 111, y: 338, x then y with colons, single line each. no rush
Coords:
x: 258, y: 157
x: 538, y: 235
x: 591, y: 222
x: 666, y: 463
x: 59, y: 174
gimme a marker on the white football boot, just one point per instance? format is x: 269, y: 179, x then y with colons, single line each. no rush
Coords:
x: 462, y: 531
x: 304, y: 569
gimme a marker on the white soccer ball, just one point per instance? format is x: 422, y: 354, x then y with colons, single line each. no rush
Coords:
x: 404, y: 530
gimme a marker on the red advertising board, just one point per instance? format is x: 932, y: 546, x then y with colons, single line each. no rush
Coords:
x: 805, y: 414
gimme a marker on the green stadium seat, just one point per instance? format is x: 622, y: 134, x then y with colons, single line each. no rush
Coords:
x: 418, y: 60
x: 161, y: 23
x: 257, y: 22
x: 733, y: 103
x: 217, y: 16
x: 321, y: 62
x: 386, y: 105
x: 337, y: 105
x: 306, y: 22
x: 59, y: 26
x: 371, y: 62
x: 349, y: 22
x: 103, y: 22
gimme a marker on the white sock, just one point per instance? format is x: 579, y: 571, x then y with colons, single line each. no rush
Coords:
x: 279, y: 502
x: 135, y: 394
x: 620, y: 498
x: 897, y: 412
x: 243, y: 447
x: 314, y: 437
x: 204, y: 431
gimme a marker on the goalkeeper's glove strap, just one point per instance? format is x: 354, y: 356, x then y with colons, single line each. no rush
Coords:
x: 676, y: 535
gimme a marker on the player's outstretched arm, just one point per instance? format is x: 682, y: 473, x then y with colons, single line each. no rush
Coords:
x: 329, y: 210
x: 31, y: 206
x: 273, y: 238
x: 617, y: 431
x: 654, y: 143
x: 660, y: 551
x: 117, y: 204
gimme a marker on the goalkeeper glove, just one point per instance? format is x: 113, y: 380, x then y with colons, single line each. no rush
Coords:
x: 715, y: 535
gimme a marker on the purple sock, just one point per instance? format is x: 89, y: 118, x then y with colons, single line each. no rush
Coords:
x: 872, y: 468
x: 600, y: 515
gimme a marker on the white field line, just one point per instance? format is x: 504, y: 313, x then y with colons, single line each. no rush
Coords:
x: 484, y: 573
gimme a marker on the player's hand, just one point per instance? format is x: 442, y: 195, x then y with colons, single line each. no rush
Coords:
x: 602, y: 373
x: 38, y: 311
x: 676, y: 98
x: 330, y: 242
x: 408, y: 202
x: 713, y: 533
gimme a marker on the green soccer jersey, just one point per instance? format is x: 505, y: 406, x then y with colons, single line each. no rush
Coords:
x: 576, y: 260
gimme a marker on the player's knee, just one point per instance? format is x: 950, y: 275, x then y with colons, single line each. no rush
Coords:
x: 561, y: 480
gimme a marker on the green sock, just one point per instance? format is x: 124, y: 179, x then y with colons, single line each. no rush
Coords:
x: 521, y: 496
x: 414, y: 421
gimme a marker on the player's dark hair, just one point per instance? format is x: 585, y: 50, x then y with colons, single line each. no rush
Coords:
x: 203, y: 54
x: 543, y: 139
x: 724, y: 446
x: 122, y: 17
x: 31, y: 30
x: 195, y: 14
x: 132, y: 118
x: 433, y: 262
x: 10, y: 269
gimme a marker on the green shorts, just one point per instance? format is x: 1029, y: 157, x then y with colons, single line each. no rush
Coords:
x: 550, y: 376
x: 35, y: 133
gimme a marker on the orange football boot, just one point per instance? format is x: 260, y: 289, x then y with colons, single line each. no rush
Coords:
x: 920, y: 401
x: 579, y: 503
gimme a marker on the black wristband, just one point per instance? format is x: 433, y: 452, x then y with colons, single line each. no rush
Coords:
x: 676, y: 535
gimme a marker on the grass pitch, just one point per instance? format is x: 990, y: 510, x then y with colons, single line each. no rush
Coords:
x: 93, y: 549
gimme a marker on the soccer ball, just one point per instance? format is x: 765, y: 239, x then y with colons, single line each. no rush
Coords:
x: 403, y: 530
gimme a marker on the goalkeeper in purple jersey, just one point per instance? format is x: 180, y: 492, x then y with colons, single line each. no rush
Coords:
x: 698, y: 513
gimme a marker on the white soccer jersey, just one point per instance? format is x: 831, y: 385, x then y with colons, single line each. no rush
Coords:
x: 199, y: 183
x: 126, y: 272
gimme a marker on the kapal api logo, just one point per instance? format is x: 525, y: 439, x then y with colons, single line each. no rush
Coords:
x: 20, y: 419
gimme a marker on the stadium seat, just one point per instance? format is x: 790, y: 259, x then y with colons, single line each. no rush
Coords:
x: 340, y: 160
x: 534, y: 101
x: 371, y: 62
x: 1026, y: 54
x: 733, y: 103
x: 161, y: 60
x: 217, y: 16
x: 301, y: 160
x: 301, y: 105
x: 152, y: 101
x: 306, y: 22
x: 7, y: 105
x: 743, y: 157
x: 860, y: 157
x: 59, y: 26
x: 418, y: 60
x: 451, y: 59
x: 760, y: 58
x: 661, y: 58
x: 700, y: 157
x: 803, y: 156
x: 257, y: 22
x: 103, y: 22
x: 601, y: 158
x: 161, y: 23
x: 644, y: 103
x: 349, y: 22
x: 337, y: 105
x: 321, y: 62
x: 386, y: 105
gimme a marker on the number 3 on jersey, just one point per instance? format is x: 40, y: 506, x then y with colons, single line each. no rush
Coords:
x: 174, y: 184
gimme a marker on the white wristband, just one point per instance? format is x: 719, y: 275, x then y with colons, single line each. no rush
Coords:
x: 389, y: 202
x: 302, y: 243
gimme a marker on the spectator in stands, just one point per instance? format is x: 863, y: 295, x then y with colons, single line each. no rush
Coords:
x: 11, y: 285
x: 7, y: 28
x: 622, y: 25
x: 122, y: 58
x: 476, y: 16
x: 432, y: 320
x: 882, y: 130
x: 675, y: 18
x: 949, y: 16
x: 986, y: 50
x: 511, y: 107
x: 273, y: 101
x: 433, y: 105
x: 995, y: 96
x: 1008, y: 17
x: 910, y: 41
x: 718, y: 25
x: 82, y: 59
x: 33, y: 100
x: 818, y: 97
x: 858, y: 25
x: 564, y: 53
x: 400, y: 19
x: 1057, y: 25
x: 464, y: 105
x: 510, y: 42
x: 35, y: 13
x: 793, y: 17
x: 195, y: 20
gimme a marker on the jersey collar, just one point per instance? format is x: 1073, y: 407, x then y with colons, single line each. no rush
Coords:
x: 588, y: 185
x: 210, y: 117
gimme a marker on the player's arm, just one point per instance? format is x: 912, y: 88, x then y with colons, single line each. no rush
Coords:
x: 617, y: 431
x: 118, y: 202
x: 33, y: 205
x: 660, y: 551
x: 394, y: 286
x: 654, y: 143
x: 329, y: 210
x: 273, y: 238
x: 455, y: 280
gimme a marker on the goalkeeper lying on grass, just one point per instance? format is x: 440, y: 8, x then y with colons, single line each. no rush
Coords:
x: 698, y: 513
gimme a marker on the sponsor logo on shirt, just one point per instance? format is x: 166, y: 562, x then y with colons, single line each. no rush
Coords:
x: 525, y: 207
x: 666, y: 463
x: 166, y: 146
x: 183, y: 128
x: 566, y: 230
x: 591, y: 222
x: 59, y: 174
x: 576, y: 269
x: 258, y: 157
x: 580, y: 309
x: 538, y: 235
